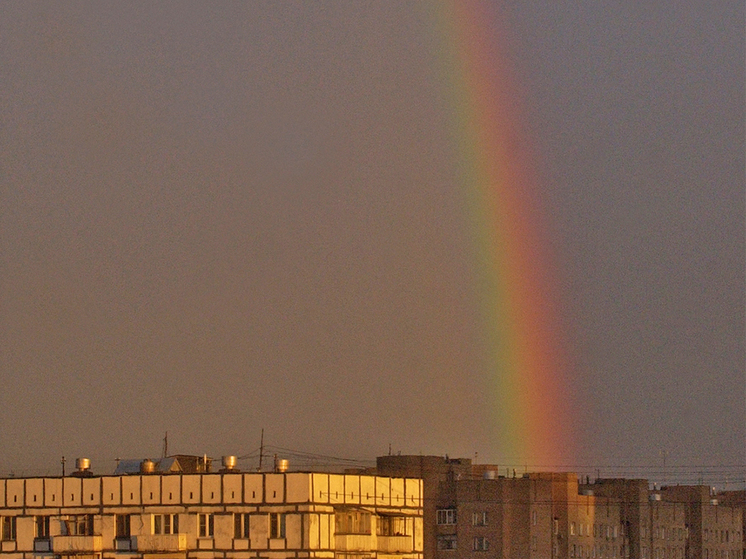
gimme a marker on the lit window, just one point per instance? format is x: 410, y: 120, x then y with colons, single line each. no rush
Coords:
x: 206, y: 525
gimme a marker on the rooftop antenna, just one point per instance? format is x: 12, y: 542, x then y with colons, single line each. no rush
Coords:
x: 261, y: 452
x: 165, y: 445
x: 63, y: 466
x: 664, y: 453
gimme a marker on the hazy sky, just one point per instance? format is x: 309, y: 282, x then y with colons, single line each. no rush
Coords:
x: 222, y: 217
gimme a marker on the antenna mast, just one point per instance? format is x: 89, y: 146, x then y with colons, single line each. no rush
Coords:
x: 261, y: 451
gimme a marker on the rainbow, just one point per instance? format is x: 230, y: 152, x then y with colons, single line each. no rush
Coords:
x: 520, y: 310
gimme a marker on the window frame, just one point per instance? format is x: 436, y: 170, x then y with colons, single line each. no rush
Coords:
x: 479, y: 518
x: 241, y: 526
x: 9, y: 532
x: 122, y: 526
x: 41, y: 527
x: 206, y: 525
x: 447, y: 542
x: 78, y: 525
x: 164, y: 524
x: 480, y: 543
x: 446, y: 517
x: 392, y: 525
x: 277, y: 525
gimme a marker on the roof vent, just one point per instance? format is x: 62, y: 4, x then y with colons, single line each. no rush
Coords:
x: 281, y: 466
x: 147, y: 466
x: 489, y: 474
x: 82, y: 467
x: 229, y: 464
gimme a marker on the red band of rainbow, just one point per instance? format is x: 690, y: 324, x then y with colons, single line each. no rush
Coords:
x: 519, y: 307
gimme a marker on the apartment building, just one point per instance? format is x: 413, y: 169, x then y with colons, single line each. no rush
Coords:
x: 170, y: 514
x: 714, y: 528
x: 473, y: 512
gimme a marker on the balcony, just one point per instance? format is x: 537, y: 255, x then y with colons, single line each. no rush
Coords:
x: 71, y: 545
x: 353, y: 542
x: 160, y: 542
x: 394, y: 544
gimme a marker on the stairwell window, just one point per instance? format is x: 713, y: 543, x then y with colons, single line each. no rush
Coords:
x: 206, y: 525
x: 9, y: 528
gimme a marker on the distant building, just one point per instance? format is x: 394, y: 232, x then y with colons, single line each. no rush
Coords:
x: 161, y: 512
x: 472, y: 512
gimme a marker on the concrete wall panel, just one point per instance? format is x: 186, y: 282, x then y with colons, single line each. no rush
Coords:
x: 253, y: 488
x: 298, y: 488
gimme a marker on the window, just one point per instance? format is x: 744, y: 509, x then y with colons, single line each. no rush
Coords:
x: 42, y: 527
x: 241, y: 526
x: 123, y: 525
x: 392, y: 526
x: 481, y: 544
x: 277, y: 525
x: 534, y: 518
x: 447, y: 542
x: 9, y: 528
x: 165, y: 524
x: 479, y: 518
x: 446, y: 516
x: 555, y: 527
x: 351, y: 522
x: 572, y: 528
x: 78, y: 525
x: 206, y: 525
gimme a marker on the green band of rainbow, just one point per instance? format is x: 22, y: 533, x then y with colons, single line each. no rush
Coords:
x: 519, y: 308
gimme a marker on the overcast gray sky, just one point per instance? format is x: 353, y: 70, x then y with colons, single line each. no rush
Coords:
x: 222, y: 217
